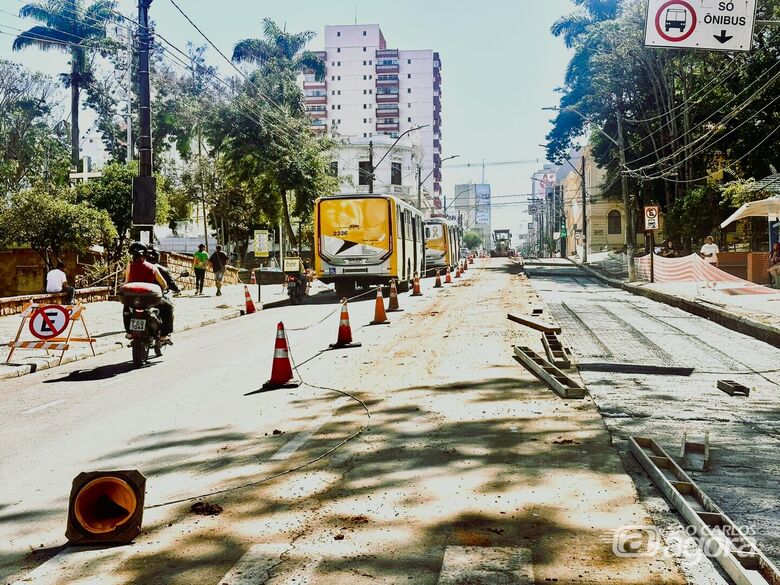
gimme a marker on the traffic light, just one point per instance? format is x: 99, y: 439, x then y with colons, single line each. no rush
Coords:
x: 105, y: 507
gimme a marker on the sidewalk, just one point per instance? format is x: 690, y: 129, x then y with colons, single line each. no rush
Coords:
x: 756, y: 315
x: 104, y: 321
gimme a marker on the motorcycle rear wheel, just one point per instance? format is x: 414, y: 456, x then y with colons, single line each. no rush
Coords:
x: 140, y: 352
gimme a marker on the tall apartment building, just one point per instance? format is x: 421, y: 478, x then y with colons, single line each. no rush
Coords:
x: 372, y: 90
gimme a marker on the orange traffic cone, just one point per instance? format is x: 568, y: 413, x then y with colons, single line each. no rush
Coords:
x: 465, y: 265
x: 471, y: 259
x: 281, y: 370
x: 448, y: 280
x: 380, y: 318
x: 392, y: 305
x: 250, y: 305
x: 345, y: 331
x: 252, y: 277
x: 438, y: 280
x: 416, y: 292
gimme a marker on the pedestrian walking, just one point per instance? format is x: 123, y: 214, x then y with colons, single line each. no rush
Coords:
x: 57, y: 282
x: 774, y: 266
x: 219, y: 261
x: 709, y: 251
x: 200, y: 262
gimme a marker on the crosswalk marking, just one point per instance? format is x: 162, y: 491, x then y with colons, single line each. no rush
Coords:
x: 263, y: 561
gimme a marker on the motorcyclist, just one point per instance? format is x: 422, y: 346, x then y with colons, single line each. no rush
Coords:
x: 300, y: 275
x: 153, y: 257
x: 141, y: 270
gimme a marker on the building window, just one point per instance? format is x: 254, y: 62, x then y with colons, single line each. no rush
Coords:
x: 370, y: 62
x: 371, y: 91
x: 395, y: 173
x: 334, y: 168
x: 365, y: 77
x: 338, y: 34
x: 364, y: 33
x: 364, y: 63
x: 365, y: 92
x: 408, y: 90
x: 333, y: 107
x: 332, y: 63
x: 364, y: 49
x: 408, y: 105
x: 339, y: 78
x: 338, y: 63
x: 408, y: 61
x: 408, y: 76
x: 338, y: 107
x: 338, y: 49
x: 333, y: 92
x: 333, y: 78
x: 365, y: 106
x: 614, y: 223
x: 409, y: 120
x: 339, y: 92
x: 364, y: 171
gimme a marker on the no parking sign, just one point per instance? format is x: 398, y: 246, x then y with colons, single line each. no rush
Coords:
x: 49, y: 321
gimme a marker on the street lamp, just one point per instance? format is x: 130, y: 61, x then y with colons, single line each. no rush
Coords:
x: 372, y: 166
x: 420, y: 181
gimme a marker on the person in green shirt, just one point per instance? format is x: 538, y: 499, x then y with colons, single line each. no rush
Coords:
x: 200, y: 262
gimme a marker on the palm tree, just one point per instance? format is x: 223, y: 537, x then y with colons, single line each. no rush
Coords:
x: 68, y: 27
x: 589, y: 12
x: 281, y: 55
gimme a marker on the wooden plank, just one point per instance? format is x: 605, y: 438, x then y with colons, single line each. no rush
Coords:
x: 720, y: 536
x: 564, y: 386
x: 533, y: 323
x: 617, y: 368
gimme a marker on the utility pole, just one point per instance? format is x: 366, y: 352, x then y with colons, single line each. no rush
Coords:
x: 371, y: 166
x: 129, y: 95
x: 584, y: 212
x: 419, y: 186
x: 144, y: 186
x: 630, y: 238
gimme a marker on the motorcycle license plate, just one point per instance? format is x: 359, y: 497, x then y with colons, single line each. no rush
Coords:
x: 137, y: 324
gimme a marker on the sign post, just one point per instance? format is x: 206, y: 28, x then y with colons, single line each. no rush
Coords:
x: 710, y: 25
x: 262, y: 250
x: 652, y: 224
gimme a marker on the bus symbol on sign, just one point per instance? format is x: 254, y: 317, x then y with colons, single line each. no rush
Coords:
x: 652, y: 221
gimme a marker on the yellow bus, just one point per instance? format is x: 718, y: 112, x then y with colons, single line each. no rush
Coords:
x: 442, y: 243
x: 364, y: 240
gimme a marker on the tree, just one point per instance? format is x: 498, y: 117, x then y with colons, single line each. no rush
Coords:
x: 69, y: 27
x: 472, y: 239
x: 52, y: 225
x: 32, y: 148
x: 281, y: 55
x: 113, y: 193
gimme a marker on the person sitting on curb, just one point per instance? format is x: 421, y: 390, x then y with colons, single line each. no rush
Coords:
x: 57, y: 282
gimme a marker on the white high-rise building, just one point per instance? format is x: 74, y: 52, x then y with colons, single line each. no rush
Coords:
x: 373, y: 91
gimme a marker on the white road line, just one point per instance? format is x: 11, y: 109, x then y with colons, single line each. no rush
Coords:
x: 298, y: 441
x: 476, y: 564
x: 43, y: 406
x: 263, y: 561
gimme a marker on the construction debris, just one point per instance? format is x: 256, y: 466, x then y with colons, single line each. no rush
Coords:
x: 731, y: 388
x: 695, y: 455
x: 206, y: 509
x: 564, y: 386
x: 719, y: 536
x: 534, y: 323
x: 558, y: 354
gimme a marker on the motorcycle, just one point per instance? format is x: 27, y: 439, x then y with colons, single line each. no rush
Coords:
x: 295, y: 289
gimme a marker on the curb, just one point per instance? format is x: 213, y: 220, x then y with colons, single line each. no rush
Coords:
x: 761, y: 331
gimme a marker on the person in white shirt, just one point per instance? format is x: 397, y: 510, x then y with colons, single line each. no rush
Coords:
x: 57, y: 282
x: 710, y: 250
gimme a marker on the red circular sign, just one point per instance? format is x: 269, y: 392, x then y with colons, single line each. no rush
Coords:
x: 49, y: 321
x: 661, y: 30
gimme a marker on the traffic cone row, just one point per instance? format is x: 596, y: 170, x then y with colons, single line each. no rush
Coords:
x: 250, y: 305
x: 392, y: 305
x: 344, y: 339
x: 416, y: 292
x: 281, y: 369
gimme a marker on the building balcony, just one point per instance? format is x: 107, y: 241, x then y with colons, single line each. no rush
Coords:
x: 312, y: 100
x: 384, y: 127
x: 387, y: 53
x: 385, y: 98
x: 387, y: 82
x: 318, y: 114
x: 387, y: 68
x: 315, y: 84
x: 392, y: 112
x: 319, y: 128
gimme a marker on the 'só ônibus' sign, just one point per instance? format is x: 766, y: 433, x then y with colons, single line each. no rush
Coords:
x: 713, y: 25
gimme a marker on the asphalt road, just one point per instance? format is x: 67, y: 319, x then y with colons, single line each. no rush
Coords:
x: 609, y: 326
x: 468, y: 470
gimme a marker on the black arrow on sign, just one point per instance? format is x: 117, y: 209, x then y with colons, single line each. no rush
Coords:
x: 723, y: 37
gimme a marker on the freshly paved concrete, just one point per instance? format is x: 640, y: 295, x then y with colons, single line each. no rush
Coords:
x: 604, y: 324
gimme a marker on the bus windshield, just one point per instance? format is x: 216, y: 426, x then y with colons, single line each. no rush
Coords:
x: 354, y: 228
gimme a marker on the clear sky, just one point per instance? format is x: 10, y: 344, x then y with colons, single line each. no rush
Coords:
x: 500, y: 66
